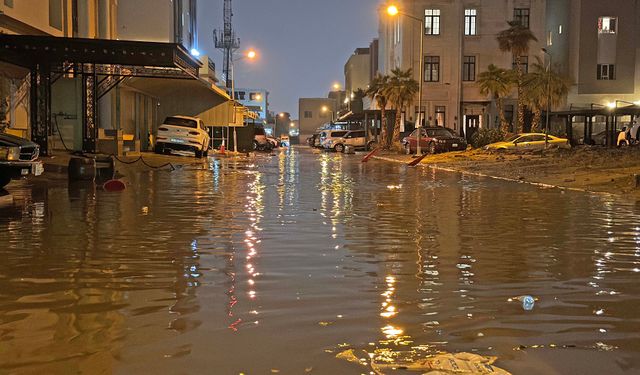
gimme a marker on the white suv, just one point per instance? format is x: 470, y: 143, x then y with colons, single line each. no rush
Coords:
x: 182, y: 133
x: 353, y: 138
x: 327, y: 137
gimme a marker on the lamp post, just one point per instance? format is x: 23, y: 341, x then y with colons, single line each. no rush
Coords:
x: 393, y: 11
x: 546, y: 126
x: 250, y: 55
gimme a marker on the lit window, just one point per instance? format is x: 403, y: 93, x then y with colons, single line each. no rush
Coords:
x: 607, y: 25
x: 432, y: 21
x: 470, y: 22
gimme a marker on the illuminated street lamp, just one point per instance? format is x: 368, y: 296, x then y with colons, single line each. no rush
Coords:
x: 251, y: 55
x: 336, y: 86
x: 326, y: 109
x: 393, y: 11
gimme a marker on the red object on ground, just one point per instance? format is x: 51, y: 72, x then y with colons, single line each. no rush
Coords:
x: 369, y: 155
x: 417, y: 160
x: 114, y: 185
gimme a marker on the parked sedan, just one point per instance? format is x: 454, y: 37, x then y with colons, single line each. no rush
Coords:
x: 434, y: 140
x: 182, y: 133
x: 528, y: 141
x: 18, y: 158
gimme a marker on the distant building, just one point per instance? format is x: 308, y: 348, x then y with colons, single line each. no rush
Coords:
x: 357, y: 71
x: 256, y: 100
x: 313, y: 113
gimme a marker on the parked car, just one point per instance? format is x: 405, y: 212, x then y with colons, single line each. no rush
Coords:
x: 327, y: 136
x: 18, y: 158
x: 261, y: 140
x: 275, y: 142
x: 434, y: 140
x: 528, y: 141
x: 355, y: 138
x: 183, y: 133
x: 311, y: 141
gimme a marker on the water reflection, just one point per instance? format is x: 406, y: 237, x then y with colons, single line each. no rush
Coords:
x: 233, y: 268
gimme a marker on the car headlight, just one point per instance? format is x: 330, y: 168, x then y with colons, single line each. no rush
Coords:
x: 9, y: 153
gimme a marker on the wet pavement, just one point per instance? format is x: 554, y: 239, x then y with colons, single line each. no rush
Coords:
x: 278, y: 263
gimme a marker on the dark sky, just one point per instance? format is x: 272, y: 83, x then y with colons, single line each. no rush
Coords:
x: 302, y: 44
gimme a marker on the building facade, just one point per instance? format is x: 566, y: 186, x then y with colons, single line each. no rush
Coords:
x: 357, y: 71
x: 314, y: 113
x: 592, y: 43
x: 256, y: 101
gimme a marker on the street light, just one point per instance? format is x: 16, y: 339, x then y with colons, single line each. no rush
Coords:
x: 336, y: 86
x: 546, y: 127
x: 326, y: 109
x: 251, y: 54
x: 393, y: 11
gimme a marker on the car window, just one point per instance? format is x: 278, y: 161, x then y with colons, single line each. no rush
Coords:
x: 524, y: 138
x: 537, y: 138
x: 440, y: 133
x: 358, y: 134
x: 338, y: 134
x: 513, y: 138
x: 413, y: 133
x: 259, y: 131
x: 184, y: 122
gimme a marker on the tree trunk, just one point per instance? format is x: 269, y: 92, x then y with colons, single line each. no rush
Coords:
x: 383, y: 128
x: 395, y: 139
x: 537, y: 116
x: 520, y: 75
x: 504, y: 125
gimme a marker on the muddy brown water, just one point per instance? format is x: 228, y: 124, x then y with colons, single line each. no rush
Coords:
x: 278, y: 263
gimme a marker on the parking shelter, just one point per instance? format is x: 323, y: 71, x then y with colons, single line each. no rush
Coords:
x: 102, y: 65
x: 580, y: 123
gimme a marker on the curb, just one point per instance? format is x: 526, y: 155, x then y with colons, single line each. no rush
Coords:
x: 479, y: 174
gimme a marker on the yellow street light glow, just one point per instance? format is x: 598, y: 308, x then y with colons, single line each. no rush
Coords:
x: 324, y: 108
x: 251, y: 54
x: 392, y: 10
x: 336, y: 86
x: 292, y: 125
x: 281, y: 115
x: 611, y: 105
x: 258, y: 97
x: 637, y: 103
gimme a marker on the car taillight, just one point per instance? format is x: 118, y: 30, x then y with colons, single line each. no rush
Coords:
x: 163, y: 129
x: 193, y: 133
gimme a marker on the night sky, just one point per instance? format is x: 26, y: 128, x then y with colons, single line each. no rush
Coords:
x: 302, y: 44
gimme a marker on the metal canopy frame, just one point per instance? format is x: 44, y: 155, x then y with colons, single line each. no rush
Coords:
x: 611, y: 120
x: 102, y: 64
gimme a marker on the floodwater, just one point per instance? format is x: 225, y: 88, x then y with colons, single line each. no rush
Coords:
x: 278, y: 263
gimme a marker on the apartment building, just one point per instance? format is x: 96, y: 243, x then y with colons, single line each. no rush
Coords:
x: 459, y: 39
x: 357, y: 71
x: 255, y: 100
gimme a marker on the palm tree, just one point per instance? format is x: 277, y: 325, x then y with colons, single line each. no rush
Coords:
x: 497, y: 82
x: 376, y: 92
x: 542, y: 88
x: 401, y: 89
x: 516, y: 40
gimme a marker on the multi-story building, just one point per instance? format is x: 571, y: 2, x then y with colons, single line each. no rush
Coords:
x: 593, y: 43
x: 459, y: 42
x: 255, y: 100
x: 314, y: 113
x: 357, y: 71
x: 127, y: 89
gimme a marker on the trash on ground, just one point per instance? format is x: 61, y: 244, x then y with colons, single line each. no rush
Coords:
x: 114, y: 185
x: 527, y: 301
x: 438, y: 364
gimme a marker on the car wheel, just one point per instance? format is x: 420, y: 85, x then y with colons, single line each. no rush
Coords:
x: 255, y: 145
x: 159, y: 149
x: 4, y: 181
x: 338, y: 148
x: 407, y: 149
x: 432, y: 148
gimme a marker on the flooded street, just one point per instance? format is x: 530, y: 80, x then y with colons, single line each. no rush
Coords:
x: 279, y: 263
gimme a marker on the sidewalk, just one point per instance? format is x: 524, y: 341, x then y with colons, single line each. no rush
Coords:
x: 592, y: 169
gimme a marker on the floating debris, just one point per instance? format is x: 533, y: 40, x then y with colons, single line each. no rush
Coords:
x: 438, y: 364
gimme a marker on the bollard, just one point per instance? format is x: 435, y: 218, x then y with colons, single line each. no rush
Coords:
x: 82, y: 169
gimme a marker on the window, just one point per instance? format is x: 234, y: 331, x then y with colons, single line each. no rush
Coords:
x: 521, y: 16
x: 253, y: 96
x: 440, y: 115
x: 469, y: 68
x: 308, y: 114
x: 432, y: 21
x: 432, y: 68
x: 241, y: 95
x: 524, y: 64
x: 55, y: 14
x: 606, y: 72
x: 607, y: 25
x: 508, y: 115
x: 8, y: 3
x: 470, y: 22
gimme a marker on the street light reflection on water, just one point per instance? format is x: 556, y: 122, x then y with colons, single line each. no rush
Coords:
x: 249, y: 265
